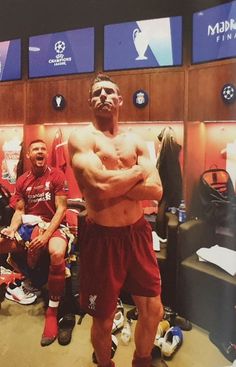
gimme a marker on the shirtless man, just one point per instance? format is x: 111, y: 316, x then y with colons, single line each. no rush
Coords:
x: 114, y: 173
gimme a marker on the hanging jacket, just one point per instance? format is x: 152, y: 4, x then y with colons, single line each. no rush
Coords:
x: 169, y: 169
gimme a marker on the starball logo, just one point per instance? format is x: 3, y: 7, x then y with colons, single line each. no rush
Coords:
x: 60, y: 59
x: 223, y: 31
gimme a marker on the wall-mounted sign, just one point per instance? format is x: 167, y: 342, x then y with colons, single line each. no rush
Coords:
x: 214, y: 33
x: 61, y: 53
x: 140, y: 98
x: 58, y: 102
x: 143, y: 44
x: 10, y: 60
x: 228, y: 93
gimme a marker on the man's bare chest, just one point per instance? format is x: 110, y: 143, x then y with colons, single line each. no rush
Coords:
x: 116, y: 153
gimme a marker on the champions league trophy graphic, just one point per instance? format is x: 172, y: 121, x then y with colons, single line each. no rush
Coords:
x: 140, y: 43
x: 58, y: 101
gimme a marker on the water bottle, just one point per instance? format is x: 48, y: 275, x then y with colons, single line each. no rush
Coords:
x: 182, y: 212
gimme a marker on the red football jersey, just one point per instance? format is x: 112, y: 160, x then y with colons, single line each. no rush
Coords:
x: 39, y: 193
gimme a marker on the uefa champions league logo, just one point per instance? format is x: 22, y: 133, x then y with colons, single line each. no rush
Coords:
x: 60, y: 59
x: 60, y: 47
x: 228, y: 93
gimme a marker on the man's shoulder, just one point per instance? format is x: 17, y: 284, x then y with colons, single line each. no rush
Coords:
x: 55, y: 172
x: 57, y: 178
x: 80, y: 137
x: 24, y: 176
x: 83, y: 129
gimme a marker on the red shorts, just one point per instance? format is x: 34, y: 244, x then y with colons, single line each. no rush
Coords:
x: 115, y: 258
x: 34, y: 257
x: 57, y: 233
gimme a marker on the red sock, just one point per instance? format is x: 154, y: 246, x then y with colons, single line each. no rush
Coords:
x: 111, y: 364
x: 56, y: 280
x: 141, y: 361
x: 50, y: 326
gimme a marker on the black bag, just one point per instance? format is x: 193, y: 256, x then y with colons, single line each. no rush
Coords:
x: 217, y: 197
x: 4, y: 202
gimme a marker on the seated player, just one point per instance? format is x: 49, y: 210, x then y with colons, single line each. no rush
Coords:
x: 40, y: 207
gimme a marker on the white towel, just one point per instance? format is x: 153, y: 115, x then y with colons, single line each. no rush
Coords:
x: 31, y: 219
x: 220, y: 256
x: 156, y: 242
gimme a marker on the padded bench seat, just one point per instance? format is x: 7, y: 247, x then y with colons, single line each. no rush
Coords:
x: 207, y: 293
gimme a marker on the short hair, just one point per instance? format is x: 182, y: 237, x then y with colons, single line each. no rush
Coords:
x: 36, y: 141
x: 102, y: 77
